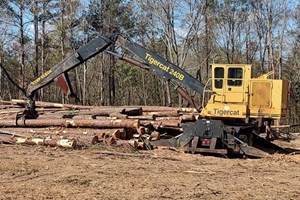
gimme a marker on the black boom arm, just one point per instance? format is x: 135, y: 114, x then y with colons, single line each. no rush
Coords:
x: 59, y: 71
x: 153, y: 62
x: 161, y: 66
x: 81, y: 55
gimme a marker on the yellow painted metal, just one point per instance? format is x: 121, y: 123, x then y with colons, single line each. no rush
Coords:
x: 235, y: 94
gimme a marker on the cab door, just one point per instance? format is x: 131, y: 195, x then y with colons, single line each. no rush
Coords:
x: 218, y: 83
x: 234, y: 84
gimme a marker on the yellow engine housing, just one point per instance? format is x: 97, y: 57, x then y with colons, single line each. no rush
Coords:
x: 235, y: 94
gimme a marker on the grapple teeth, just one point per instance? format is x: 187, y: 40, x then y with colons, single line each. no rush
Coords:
x: 28, y: 113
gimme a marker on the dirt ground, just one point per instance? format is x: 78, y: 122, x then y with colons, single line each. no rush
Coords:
x: 35, y: 172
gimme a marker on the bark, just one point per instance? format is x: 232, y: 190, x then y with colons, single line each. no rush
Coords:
x: 49, y: 104
x: 52, y: 142
x: 36, y: 42
x: 72, y: 123
x: 270, y: 39
x: 162, y: 114
x: 118, y: 115
x: 143, y: 117
x: 157, y: 124
x: 59, y: 131
x: 187, y: 118
x: 281, y: 36
x: 158, y: 109
x: 109, y: 111
x: 22, y: 50
x: 207, y: 38
x: 87, y: 141
x: 43, y: 49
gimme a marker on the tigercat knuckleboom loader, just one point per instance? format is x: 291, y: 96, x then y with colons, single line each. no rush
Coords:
x: 235, y: 109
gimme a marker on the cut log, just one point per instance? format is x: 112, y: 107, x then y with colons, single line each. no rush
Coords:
x: 129, y: 133
x: 141, y: 146
x: 109, y: 141
x: 188, y: 110
x: 104, y: 111
x: 156, y: 124
x: 126, y: 123
x: 57, y: 131
x: 116, y: 134
x: 67, y: 143
x: 10, y: 111
x: 118, y: 115
x: 123, y: 134
x: 53, y: 142
x: 141, y: 130
x: 143, y: 117
x: 87, y: 141
x: 155, y: 135
x: 132, y: 111
x: 80, y: 117
x: 159, y: 109
x: 187, y: 118
x: 167, y: 119
x: 134, y: 143
x: 49, y: 104
x: 154, y: 113
x: 118, y: 123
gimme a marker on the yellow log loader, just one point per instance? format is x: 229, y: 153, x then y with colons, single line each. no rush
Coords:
x: 235, y: 109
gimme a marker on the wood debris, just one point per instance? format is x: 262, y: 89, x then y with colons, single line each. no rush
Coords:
x: 71, y: 126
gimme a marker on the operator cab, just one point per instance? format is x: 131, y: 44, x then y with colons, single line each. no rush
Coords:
x: 229, y: 85
x: 229, y: 79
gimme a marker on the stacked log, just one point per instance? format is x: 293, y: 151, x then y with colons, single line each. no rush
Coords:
x: 88, y: 125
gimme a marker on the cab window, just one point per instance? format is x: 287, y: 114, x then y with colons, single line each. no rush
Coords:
x: 235, y: 76
x: 219, y: 76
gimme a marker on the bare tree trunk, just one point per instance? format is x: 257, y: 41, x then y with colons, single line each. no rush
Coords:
x: 22, y: 50
x: 85, y: 67
x: 206, y: 40
x: 111, y: 80
x: 281, y: 34
x: 63, y: 32
x: 101, y: 82
x: 270, y: 38
x: 62, y: 38
x: 84, y: 84
x: 1, y: 85
x: 169, y: 100
x: 36, y: 38
x: 270, y: 46
x: 43, y: 53
x: 1, y: 74
x: 78, y: 84
x: 144, y: 89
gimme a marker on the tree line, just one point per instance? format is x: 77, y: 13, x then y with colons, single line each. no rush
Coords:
x: 36, y: 35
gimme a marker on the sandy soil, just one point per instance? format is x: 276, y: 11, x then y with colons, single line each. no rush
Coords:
x: 33, y: 172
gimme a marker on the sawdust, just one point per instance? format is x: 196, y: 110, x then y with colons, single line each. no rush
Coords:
x: 34, y: 172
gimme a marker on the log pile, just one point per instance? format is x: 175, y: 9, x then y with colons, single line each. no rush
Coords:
x: 71, y: 126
